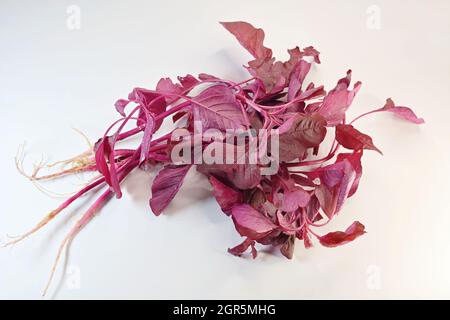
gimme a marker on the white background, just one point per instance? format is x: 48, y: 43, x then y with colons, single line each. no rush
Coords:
x: 53, y: 78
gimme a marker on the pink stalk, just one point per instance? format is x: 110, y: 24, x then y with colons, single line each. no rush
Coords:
x: 73, y: 232
x: 90, y: 213
x: 365, y: 114
x: 55, y: 212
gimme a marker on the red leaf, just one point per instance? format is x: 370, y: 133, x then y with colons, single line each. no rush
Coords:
x: 188, y: 82
x: 338, y: 238
x: 355, y: 160
x: 166, y: 87
x: 351, y: 138
x: 287, y: 249
x: 166, y: 185
x: 312, y: 52
x: 338, y: 100
x: 250, y: 222
x: 225, y: 196
x: 327, y: 200
x: 299, y: 133
x: 245, y: 176
x: 402, y: 112
x: 120, y: 106
x: 241, y: 176
x: 105, y: 163
x: 297, y: 78
x: 102, y: 150
x: 241, y: 248
x: 309, y: 130
x: 151, y: 101
x: 290, y: 148
x: 249, y: 37
x: 293, y: 199
x: 336, y: 181
x: 217, y: 107
x: 275, y: 75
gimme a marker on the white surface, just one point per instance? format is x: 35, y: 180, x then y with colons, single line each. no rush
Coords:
x: 52, y: 78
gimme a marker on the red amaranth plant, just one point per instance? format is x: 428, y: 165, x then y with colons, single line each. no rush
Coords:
x: 305, y: 192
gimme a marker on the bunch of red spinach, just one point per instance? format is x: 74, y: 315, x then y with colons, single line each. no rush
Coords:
x: 306, y: 192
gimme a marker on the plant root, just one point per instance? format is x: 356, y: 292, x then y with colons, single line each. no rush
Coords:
x: 84, y: 220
